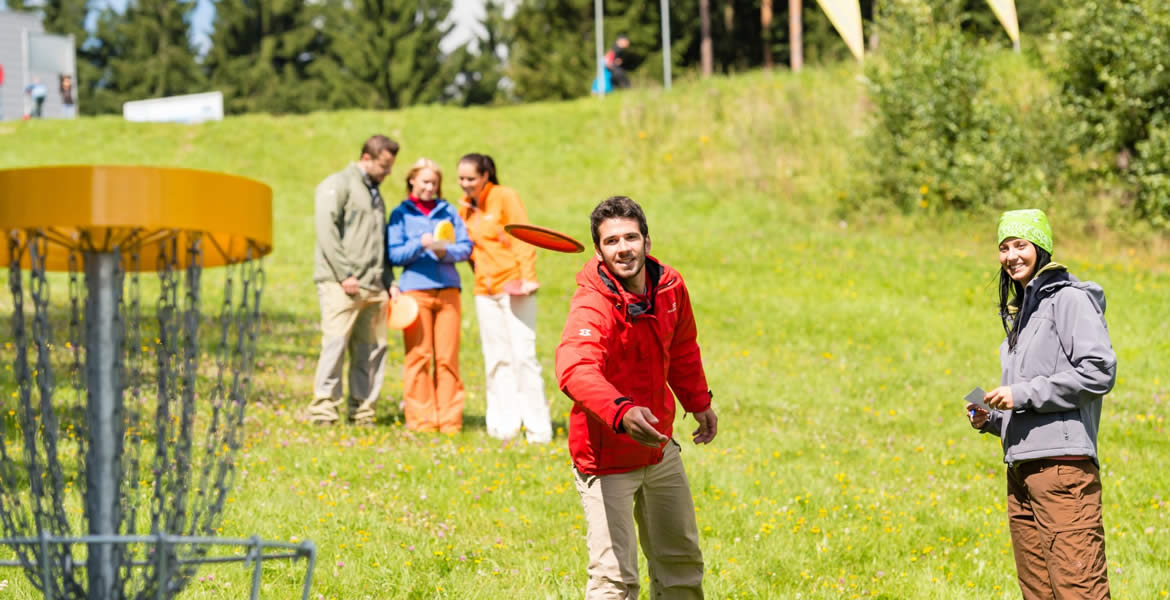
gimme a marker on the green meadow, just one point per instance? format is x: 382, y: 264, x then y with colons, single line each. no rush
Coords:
x: 839, y: 348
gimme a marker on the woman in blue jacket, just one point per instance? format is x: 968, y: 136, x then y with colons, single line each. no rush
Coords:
x: 1057, y: 365
x: 432, y: 390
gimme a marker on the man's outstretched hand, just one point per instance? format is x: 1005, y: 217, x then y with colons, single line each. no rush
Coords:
x: 639, y: 424
x: 708, y: 426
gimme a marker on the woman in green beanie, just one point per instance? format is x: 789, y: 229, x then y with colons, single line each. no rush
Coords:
x: 1057, y: 363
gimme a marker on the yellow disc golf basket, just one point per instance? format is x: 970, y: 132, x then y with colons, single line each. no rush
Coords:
x: 119, y: 449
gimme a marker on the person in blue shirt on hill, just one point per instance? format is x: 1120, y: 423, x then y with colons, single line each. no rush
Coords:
x: 432, y: 389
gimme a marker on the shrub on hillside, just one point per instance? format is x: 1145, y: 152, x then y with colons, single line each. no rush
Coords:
x: 1152, y: 173
x: 939, y: 138
x: 1115, y: 77
x: 1116, y: 69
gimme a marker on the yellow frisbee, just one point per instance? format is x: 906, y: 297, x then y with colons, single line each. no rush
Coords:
x: 445, y: 231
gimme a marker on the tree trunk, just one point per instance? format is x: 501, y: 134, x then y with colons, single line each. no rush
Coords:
x: 766, y: 31
x: 796, y: 35
x: 705, y: 53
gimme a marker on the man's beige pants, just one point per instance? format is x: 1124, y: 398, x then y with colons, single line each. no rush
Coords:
x: 358, y: 323
x: 658, y: 498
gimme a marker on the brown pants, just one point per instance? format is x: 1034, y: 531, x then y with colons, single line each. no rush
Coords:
x: 1054, y: 511
x: 434, y: 398
x: 658, y: 499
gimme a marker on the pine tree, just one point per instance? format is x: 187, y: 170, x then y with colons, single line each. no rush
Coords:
x: 261, y: 54
x: 20, y: 5
x: 384, y: 54
x: 66, y: 17
x: 145, y: 52
x: 554, y: 53
x: 479, y: 64
x: 552, y: 56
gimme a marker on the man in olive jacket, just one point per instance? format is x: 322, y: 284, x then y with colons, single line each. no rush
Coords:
x: 353, y: 281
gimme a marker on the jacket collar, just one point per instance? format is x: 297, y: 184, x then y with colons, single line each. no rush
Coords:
x: 595, y: 275
x: 1050, y: 278
x: 361, y: 173
x: 441, y: 206
x: 483, y: 196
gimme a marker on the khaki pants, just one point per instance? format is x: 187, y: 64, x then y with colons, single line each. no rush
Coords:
x: 356, y: 323
x: 1058, y: 537
x: 515, y: 390
x: 434, y: 398
x: 658, y: 498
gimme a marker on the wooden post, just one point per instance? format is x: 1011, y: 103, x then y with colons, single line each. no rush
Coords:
x: 796, y: 35
x: 706, y: 56
x: 766, y: 31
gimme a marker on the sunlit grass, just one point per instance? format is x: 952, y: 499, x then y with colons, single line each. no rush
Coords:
x: 838, y: 351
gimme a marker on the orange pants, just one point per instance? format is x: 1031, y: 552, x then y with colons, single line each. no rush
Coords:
x: 433, y: 395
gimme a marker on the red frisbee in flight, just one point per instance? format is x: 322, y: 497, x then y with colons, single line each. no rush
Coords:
x: 543, y: 237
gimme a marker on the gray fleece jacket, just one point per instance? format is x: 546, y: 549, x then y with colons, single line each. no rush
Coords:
x: 1062, y: 366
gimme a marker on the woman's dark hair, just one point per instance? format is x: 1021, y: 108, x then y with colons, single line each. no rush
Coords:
x: 483, y: 164
x: 1011, y: 295
x: 617, y: 207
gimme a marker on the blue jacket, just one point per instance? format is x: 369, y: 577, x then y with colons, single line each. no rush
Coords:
x: 421, y: 269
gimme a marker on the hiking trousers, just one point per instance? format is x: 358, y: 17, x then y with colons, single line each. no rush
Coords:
x: 1058, y: 537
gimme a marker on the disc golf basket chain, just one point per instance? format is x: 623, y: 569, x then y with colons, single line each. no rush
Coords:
x: 113, y: 485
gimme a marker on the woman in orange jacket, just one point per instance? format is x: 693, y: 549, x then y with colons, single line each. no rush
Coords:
x: 505, y: 303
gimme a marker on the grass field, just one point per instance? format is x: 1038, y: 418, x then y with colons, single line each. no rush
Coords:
x: 838, y: 352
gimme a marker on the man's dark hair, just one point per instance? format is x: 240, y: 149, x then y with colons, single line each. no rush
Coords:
x: 378, y: 144
x: 617, y: 207
x: 483, y: 164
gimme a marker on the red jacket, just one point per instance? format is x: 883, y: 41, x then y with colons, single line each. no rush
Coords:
x: 616, y: 354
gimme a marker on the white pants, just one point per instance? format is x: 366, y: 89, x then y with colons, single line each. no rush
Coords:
x: 515, y: 390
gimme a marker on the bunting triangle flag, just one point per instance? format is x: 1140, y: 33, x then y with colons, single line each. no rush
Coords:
x: 846, y: 18
x: 1005, y: 11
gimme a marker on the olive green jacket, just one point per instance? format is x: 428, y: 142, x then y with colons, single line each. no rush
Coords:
x: 351, y: 232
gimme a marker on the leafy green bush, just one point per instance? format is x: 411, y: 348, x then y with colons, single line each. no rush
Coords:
x: 940, y: 138
x: 1116, y: 69
x: 1115, y: 76
x: 1152, y: 173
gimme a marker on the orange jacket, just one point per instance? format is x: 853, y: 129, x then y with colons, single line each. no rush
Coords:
x: 497, y: 257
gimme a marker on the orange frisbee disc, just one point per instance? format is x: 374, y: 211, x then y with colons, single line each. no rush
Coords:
x: 401, y: 313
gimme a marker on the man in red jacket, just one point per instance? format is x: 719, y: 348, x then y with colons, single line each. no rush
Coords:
x: 629, y: 342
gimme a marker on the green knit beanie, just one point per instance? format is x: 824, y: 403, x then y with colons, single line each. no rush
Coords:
x: 1029, y: 224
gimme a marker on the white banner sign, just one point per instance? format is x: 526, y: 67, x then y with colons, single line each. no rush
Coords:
x: 192, y: 108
